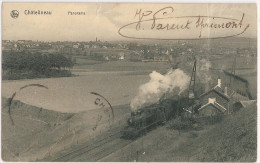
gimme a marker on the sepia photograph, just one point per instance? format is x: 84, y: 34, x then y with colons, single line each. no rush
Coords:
x: 129, y: 82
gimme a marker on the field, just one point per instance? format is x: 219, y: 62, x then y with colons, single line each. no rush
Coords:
x: 35, y: 133
x: 66, y: 94
x: 55, y: 120
x: 119, y: 65
x: 246, y: 67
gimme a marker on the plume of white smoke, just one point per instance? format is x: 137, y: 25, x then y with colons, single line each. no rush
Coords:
x: 160, y: 84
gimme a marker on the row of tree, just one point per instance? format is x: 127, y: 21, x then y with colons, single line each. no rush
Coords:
x: 27, y: 62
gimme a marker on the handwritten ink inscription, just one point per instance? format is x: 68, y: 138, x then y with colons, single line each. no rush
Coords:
x: 163, y: 25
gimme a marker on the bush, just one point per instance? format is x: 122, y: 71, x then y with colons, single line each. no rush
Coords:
x: 193, y: 135
x: 25, y: 65
x: 211, y: 119
x: 183, y: 124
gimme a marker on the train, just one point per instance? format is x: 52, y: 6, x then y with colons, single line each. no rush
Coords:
x: 148, y: 117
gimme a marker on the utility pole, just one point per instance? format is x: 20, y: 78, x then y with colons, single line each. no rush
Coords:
x: 233, y: 71
x: 191, y: 91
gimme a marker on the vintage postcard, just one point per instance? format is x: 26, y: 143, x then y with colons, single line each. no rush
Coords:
x: 121, y: 82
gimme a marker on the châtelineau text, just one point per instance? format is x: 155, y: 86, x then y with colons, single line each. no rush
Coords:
x: 163, y: 25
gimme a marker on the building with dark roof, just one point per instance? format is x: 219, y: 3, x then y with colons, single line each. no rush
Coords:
x: 219, y: 100
x: 214, y: 101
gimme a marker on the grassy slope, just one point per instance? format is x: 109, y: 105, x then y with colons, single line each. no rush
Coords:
x: 233, y: 139
x: 30, y: 134
x: 38, y: 130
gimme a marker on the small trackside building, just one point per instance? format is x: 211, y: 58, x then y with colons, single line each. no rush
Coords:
x: 214, y: 101
x: 218, y: 100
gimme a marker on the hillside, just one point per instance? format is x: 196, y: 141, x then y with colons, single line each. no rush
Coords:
x: 38, y: 133
x: 30, y: 136
x: 232, y: 139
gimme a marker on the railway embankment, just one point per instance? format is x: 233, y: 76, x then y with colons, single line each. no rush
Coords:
x: 39, y: 134
x: 234, y: 138
x: 69, y: 136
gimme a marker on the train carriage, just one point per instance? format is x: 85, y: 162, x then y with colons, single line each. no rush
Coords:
x: 146, y: 118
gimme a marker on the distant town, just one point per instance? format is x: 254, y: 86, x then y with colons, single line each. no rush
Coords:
x: 131, y: 51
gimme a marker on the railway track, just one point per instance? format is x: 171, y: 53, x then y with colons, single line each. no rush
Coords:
x: 103, y: 151
x: 94, y: 150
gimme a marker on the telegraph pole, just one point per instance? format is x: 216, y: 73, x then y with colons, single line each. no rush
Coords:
x: 191, y: 91
x: 233, y: 71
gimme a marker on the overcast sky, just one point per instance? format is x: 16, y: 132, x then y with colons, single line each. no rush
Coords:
x: 104, y: 20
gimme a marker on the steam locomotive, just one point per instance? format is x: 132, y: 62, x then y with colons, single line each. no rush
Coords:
x: 146, y: 118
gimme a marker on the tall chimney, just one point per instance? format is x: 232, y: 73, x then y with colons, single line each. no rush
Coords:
x: 219, y: 82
